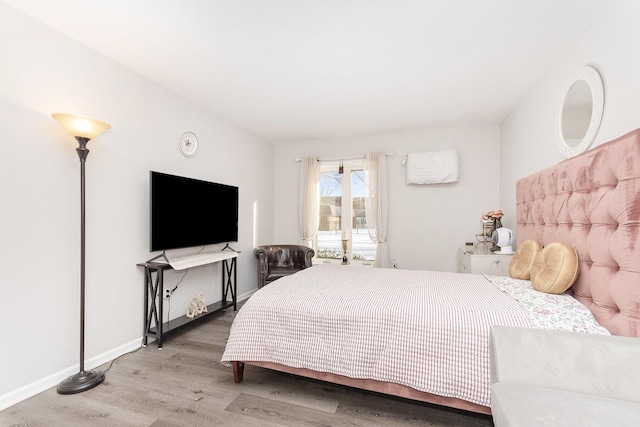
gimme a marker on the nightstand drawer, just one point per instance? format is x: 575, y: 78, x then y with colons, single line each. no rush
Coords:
x: 481, y: 263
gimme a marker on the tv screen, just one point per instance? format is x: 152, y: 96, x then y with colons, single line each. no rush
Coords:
x: 186, y: 212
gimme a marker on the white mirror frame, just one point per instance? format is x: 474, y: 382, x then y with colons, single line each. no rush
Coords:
x: 591, y: 76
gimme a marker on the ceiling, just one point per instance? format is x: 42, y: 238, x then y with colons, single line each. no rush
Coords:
x: 291, y: 70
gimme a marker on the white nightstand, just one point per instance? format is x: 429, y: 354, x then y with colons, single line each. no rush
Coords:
x: 480, y: 263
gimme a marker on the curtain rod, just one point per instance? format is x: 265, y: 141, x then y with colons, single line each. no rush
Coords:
x: 335, y: 159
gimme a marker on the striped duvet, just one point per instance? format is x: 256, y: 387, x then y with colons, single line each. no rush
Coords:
x: 423, y: 329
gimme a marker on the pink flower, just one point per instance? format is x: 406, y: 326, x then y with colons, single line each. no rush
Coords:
x: 493, y: 215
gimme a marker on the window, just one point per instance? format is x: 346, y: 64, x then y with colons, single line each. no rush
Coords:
x: 342, y: 200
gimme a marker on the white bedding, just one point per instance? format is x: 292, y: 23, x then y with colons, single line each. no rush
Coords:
x: 423, y: 329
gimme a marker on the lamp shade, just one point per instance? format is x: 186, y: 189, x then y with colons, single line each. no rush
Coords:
x: 81, y: 126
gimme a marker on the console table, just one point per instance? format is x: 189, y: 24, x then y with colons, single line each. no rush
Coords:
x: 154, y: 291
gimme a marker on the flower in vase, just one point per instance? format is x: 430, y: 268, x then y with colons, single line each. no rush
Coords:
x: 493, y: 215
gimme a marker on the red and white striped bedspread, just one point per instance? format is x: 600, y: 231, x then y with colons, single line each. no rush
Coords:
x: 423, y: 329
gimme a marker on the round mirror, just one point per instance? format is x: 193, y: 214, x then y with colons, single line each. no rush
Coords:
x: 580, y: 112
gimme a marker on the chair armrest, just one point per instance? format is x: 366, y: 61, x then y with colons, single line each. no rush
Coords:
x: 601, y: 365
x: 308, y: 254
x: 263, y: 266
x: 263, y: 263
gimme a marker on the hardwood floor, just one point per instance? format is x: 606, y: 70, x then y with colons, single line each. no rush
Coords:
x: 184, y: 384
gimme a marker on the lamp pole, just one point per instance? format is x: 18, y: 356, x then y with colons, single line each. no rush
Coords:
x: 76, y: 126
x: 83, y: 152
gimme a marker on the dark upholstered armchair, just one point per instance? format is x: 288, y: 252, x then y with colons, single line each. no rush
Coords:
x: 276, y: 261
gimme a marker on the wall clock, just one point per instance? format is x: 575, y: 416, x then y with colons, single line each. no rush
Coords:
x: 188, y: 144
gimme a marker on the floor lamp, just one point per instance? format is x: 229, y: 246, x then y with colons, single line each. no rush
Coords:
x: 83, y: 130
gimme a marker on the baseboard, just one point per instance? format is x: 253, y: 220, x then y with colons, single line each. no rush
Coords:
x: 246, y: 295
x: 53, y: 380
x: 30, y: 390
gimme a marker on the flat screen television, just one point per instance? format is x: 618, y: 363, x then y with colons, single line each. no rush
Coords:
x: 187, y: 212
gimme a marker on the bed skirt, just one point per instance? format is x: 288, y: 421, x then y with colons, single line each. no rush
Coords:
x: 367, y: 384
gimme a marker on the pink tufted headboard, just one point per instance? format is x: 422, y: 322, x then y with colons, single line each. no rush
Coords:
x: 592, y: 201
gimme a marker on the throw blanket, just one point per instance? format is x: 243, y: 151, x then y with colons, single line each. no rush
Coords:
x: 422, y: 329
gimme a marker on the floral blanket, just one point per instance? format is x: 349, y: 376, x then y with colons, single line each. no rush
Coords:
x: 549, y: 311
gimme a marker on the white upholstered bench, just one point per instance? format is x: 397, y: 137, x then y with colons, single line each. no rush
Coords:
x: 553, y: 378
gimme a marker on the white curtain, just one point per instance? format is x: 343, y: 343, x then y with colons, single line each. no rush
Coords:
x: 377, y: 205
x: 309, y: 199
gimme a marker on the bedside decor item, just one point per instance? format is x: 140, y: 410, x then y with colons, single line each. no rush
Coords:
x: 491, y: 221
x: 469, y: 247
x: 83, y: 130
x: 502, y: 239
x: 484, y: 238
x: 188, y: 144
x: 579, y: 112
x: 495, y: 218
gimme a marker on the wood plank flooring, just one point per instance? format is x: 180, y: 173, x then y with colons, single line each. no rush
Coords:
x: 184, y: 384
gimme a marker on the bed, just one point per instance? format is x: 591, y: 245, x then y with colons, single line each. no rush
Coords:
x: 424, y: 335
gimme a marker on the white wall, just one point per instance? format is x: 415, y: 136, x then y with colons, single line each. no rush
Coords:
x: 427, y: 223
x: 527, y: 135
x: 44, y: 72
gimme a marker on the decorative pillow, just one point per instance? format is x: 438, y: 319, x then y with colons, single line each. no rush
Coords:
x: 555, y: 268
x: 520, y: 266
